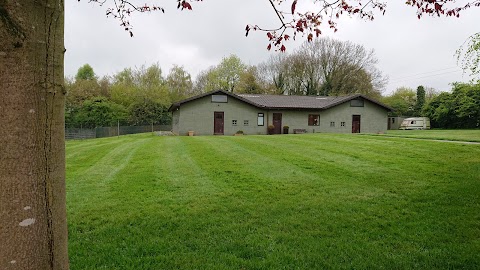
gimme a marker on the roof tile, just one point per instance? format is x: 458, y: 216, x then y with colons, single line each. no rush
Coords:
x: 293, y: 102
x: 284, y: 101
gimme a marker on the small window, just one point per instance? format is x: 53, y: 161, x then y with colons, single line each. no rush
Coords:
x: 393, y: 120
x: 234, y: 122
x: 356, y: 103
x: 332, y: 124
x: 313, y: 119
x: 219, y: 98
x: 342, y: 124
x: 260, y: 119
x: 245, y: 122
x: 413, y: 122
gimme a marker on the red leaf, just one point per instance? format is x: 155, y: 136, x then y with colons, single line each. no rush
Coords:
x: 310, y: 37
x: 278, y: 41
x: 269, y: 47
x: 286, y: 37
x: 282, y: 49
x: 294, y: 5
x: 186, y: 5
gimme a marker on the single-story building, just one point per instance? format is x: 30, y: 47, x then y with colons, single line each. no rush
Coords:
x: 395, y: 121
x: 224, y: 113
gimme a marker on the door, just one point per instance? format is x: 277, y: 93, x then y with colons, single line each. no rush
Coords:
x: 277, y: 122
x: 356, y: 124
x: 218, y: 123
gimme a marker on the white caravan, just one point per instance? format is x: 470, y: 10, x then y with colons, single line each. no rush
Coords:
x: 416, y: 123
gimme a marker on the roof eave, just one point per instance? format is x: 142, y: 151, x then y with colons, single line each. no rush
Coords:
x: 349, y: 98
x: 176, y: 105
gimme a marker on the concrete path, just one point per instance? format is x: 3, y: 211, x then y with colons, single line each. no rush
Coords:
x: 431, y: 140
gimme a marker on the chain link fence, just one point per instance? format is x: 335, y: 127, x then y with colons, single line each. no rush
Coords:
x: 101, y: 132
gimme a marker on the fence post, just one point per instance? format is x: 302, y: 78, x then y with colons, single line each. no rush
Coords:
x: 118, y: 128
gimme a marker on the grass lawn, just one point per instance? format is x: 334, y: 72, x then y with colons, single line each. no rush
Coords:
x: 311, y: 201
x: 468, y: 135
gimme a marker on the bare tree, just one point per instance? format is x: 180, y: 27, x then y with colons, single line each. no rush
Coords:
x: 294, y: 70
x: 345, y: 67
x: 273, y: 74
x: 326, y: 67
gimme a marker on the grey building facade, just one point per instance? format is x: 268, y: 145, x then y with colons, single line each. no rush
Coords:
x: 223, y: 113
x: 394, y: 122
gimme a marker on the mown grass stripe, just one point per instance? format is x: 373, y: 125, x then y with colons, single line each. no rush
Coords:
x: 273, y: 202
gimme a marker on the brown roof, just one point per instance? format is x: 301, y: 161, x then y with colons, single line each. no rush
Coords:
x: 179, y: 103
x: 285, y: 102
x: 292, y: 102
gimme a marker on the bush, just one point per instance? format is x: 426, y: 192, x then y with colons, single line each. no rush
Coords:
x: 271, y: 129
x: 459, y: 109
x: 100, y: 112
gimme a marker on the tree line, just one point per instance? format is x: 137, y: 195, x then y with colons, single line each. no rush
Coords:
x: 325, y: 67
x: 138, y: 96
x: 459, y: 108
x: 142, y: 95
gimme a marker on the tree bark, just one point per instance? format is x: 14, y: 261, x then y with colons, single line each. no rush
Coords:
x: 33, y: 228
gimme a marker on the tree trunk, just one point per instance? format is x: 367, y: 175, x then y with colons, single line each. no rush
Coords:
x: 33, y: 228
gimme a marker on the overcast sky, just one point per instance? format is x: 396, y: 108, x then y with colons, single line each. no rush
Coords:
x: 410, y: 51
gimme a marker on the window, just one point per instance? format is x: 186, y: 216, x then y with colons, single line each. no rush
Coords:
x: 342, y: 124
x: 313, y: 119
x: 393, y: 120
x: 219, y: 98
x: 332, y: 124
x: 356, y: 103
x: 245, y: 122
x: 260, y: 119
x: 413, y: 122
x: 234, y: 122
